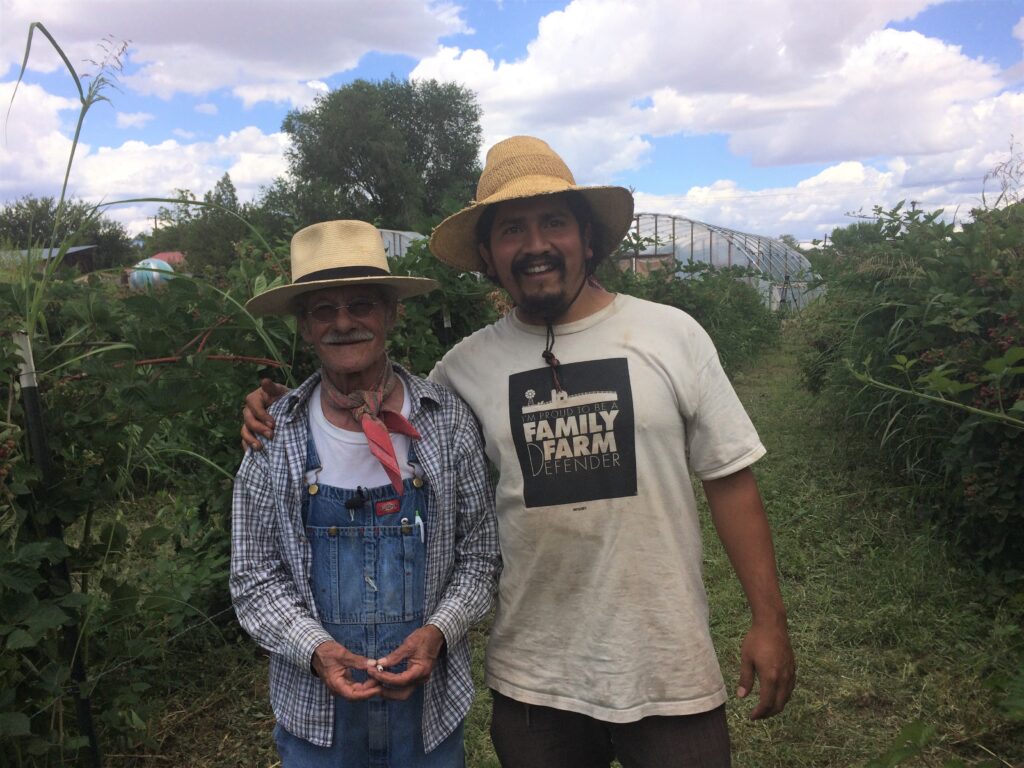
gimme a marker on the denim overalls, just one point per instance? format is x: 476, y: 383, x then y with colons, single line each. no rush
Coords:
x: 369, y: 561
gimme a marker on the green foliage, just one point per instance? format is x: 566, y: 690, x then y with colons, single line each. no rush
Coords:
x: 719, y: 298
x: 430, y: 325
x: 30, y: 223
x: 920, y: 333
x: 910, y: 744
x: 209, y: 235
x: 140, y: 394
x: 394, y: 152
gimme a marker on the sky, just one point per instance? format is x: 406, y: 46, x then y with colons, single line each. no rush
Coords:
x: 768, y: 116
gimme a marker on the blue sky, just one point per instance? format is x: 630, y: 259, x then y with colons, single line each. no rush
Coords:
x: 770, y: 116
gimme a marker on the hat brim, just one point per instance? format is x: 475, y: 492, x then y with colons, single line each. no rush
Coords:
x: 279, y: 301
x: 454, y: 242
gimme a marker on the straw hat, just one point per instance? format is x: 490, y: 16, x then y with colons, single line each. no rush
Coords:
x: 332, y: 254
x: 524, y: 166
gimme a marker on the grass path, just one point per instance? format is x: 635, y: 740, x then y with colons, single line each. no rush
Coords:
x: 886, y: 626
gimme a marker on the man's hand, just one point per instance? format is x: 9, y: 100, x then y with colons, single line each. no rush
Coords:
x: 255, y: 419
x: 333, y: 663
x: 421, y: 649
x: 739, y: 518
x: 766, y: 653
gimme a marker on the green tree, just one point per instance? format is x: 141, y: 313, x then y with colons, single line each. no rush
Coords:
x: 29, y: 223
x: 213, y: 241
x: 207, y: 234
x: 789, y: 240
x: 396, y: 152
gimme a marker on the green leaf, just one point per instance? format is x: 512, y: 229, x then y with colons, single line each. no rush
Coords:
x: 20, y: 578
x: 14, y: 724
x: 73, y: 600
x: 154, y: 534
x: 47, y: 616
x: 937, y: 381
x: 19, y: 639
x: 51, y: 550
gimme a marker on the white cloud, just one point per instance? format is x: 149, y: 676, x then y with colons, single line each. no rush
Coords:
x: 34, y: 156
x: 816, y: 205
x: 34, y: 144
x: 254, y: 47
x: 888, y: 114
x: 294, y: 94
x: 787, y: 81
x: 137, y: 169
x: 133, y: 119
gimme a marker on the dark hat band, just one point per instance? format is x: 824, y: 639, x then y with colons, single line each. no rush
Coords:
x: 342, y: 272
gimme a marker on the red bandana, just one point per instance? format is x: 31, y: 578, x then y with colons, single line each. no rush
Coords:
x: 365, y: 405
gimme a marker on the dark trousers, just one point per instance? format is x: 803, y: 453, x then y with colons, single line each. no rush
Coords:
x: 528, y: 736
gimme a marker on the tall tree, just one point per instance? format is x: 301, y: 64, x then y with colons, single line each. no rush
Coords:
x: 208, y: 236
x: 29, y: 223
x: 396, y: 152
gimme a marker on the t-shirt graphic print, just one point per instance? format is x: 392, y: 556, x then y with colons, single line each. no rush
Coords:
x: 577, y: 444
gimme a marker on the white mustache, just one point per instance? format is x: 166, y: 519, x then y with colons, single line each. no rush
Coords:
x: 333, y: 337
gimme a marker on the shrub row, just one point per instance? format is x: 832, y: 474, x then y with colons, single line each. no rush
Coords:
x: 920, y: 337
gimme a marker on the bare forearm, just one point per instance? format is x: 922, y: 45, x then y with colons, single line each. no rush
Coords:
x: 742, y: 526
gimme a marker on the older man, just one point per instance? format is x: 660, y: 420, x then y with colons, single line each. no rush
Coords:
x: 363, y: 535
x: 596, y: 408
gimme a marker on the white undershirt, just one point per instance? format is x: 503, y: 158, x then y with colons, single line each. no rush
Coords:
x: 345, y: 455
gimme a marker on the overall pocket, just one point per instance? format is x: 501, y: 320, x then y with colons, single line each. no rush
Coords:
x: 400, y: 575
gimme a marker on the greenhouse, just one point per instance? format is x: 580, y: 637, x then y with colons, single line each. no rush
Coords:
x: 784, y: 274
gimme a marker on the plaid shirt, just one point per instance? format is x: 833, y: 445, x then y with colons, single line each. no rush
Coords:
x: 271, y: 558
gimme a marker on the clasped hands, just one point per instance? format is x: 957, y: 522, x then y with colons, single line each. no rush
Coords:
x: 334, y: 663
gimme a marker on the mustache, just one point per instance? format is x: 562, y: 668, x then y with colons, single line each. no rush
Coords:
x: 522, y: 264
x: 334, y: 337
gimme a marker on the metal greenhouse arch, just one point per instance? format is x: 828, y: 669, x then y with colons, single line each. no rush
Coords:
x: 784, y: 274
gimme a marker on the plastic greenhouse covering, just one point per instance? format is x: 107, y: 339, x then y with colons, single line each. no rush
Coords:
x: 783, y: 273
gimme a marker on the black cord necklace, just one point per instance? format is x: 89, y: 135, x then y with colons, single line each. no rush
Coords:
x: 549, y: 340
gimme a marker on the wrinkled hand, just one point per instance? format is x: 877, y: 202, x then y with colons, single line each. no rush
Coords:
x: 766, y: 653
x: 333, y: 663
x: 420, y: 649
x: 255, y: 419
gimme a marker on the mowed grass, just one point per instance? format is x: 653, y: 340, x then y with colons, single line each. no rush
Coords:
x: 888, y: 626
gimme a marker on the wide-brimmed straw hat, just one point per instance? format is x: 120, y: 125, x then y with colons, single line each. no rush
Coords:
x: 519, y: 167
x: 332, y: 254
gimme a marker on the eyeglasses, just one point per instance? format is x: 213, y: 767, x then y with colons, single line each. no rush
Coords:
x: 358, y: 308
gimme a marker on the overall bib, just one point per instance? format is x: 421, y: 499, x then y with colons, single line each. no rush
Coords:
x: 369, y: 561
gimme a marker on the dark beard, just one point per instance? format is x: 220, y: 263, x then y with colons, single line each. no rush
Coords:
x: 547, y: 307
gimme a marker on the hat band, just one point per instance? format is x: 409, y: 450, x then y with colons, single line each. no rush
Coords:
x: 342, y: 272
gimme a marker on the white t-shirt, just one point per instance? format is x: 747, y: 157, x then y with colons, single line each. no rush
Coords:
x: 345, y: 455
x: 601, y: 604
